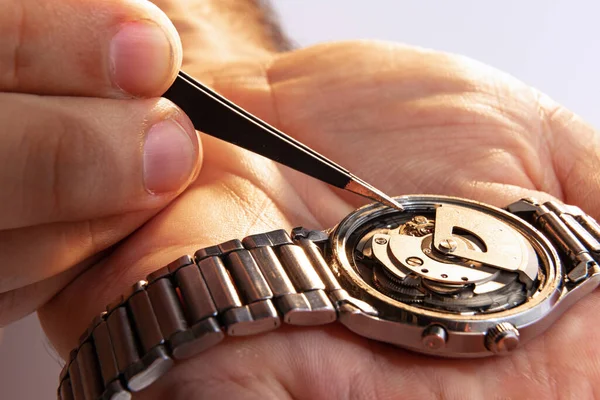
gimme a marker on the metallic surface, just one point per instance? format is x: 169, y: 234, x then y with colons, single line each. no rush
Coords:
x: 299, y: 268
x: 555, y: 219
x: 91, y: 379
x: 273, y: 271
x: 502, y: 338
x: 295, y: 309
x: 115, y: 391
x: 247, y: 276
x: 65, y: 391
x: 219, y: 283
x: 75, y: 378
x: 135, y: 342
x: 434, y: 337
x: 254, y: 318
x: 503, y: 246
x: 409, y: 252
x: 196, y: 304
x: 206, y: 333
x: 466, y: 332
x: 360, y: 187
x: 122, y: 338
x: 146, y: 324
x: 167, y: 308
x: 322, y: 310
x: 105, y: 353
x: 196, y: 297
x: 154, y: 365
x: 319, y: 264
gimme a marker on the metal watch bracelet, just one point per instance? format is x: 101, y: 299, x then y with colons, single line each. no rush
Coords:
x: 243, y: 288
x: 237, y: 287
x: 573, y: 232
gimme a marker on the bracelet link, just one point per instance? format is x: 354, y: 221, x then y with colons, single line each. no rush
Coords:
x: 575, y: 233
x: 242, y: 288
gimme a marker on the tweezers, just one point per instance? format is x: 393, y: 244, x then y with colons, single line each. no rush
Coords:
x: 216, y: 116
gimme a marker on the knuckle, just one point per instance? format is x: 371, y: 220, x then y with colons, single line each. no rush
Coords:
x: 55, y: 153
x: 74, y: 152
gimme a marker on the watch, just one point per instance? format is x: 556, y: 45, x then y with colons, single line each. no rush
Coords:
x: 446, y: 276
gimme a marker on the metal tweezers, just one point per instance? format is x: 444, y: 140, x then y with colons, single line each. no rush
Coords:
x: 216, y: 116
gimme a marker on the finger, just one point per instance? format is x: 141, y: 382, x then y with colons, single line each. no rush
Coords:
x: 87, y: 48
x: 18, y: 303
x: 575, y: 149
x: 68, y: 159
x: 249, y: 31
x: 58, y: 247
x: 179, y: 229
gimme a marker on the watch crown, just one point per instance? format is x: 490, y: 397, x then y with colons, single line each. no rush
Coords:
x: 502, y: 338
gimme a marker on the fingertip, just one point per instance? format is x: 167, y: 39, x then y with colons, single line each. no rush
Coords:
x: 176, y: 48
x: 188, y: 126
x: 145, y: 55
x: 184, y: 121
x: 171, y: 154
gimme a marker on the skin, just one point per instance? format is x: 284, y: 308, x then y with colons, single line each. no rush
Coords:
x: 71, y: 139
x: 411, y: 121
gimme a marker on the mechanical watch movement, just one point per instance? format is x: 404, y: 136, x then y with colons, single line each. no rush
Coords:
x: 459, y: 278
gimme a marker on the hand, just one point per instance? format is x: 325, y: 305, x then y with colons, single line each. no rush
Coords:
x: 410, y: 121
x: 82, y: 164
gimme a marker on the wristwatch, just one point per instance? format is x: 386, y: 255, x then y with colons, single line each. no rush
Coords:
x: 446, y: 276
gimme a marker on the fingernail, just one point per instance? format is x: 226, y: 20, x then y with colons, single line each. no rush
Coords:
x: 169, y: 156
x: 140, y: 58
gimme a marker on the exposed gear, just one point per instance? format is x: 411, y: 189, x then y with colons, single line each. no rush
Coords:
x: 417, y: 226
x: 394, y: 288
x: 414, y: 272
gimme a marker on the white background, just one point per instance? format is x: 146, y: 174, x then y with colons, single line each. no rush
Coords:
x: 551, y: 45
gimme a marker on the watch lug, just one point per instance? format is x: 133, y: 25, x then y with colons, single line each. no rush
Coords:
x: 346, y: 303
x: 524, y: 208
x: 314, y: 236
x: 573, y: 292
x: 581, y: 275
x: 580, y: 271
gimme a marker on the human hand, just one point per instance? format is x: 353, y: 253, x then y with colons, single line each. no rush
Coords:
x: 82, y: 163
x: 410, y: 121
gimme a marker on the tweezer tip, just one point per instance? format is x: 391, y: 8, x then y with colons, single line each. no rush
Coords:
x: 362, y: 188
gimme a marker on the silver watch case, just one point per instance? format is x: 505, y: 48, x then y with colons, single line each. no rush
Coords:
x: 441, y: 333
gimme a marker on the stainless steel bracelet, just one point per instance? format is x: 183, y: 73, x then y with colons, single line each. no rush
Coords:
x: 575, y: 234
x: 247, y: 287
x: 238, y: 288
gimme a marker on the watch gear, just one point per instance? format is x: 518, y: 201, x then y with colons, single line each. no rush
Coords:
x: 407, y: 266
x: 417, y: 226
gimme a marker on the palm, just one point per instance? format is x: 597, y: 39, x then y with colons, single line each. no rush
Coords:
x: 410, y: 122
